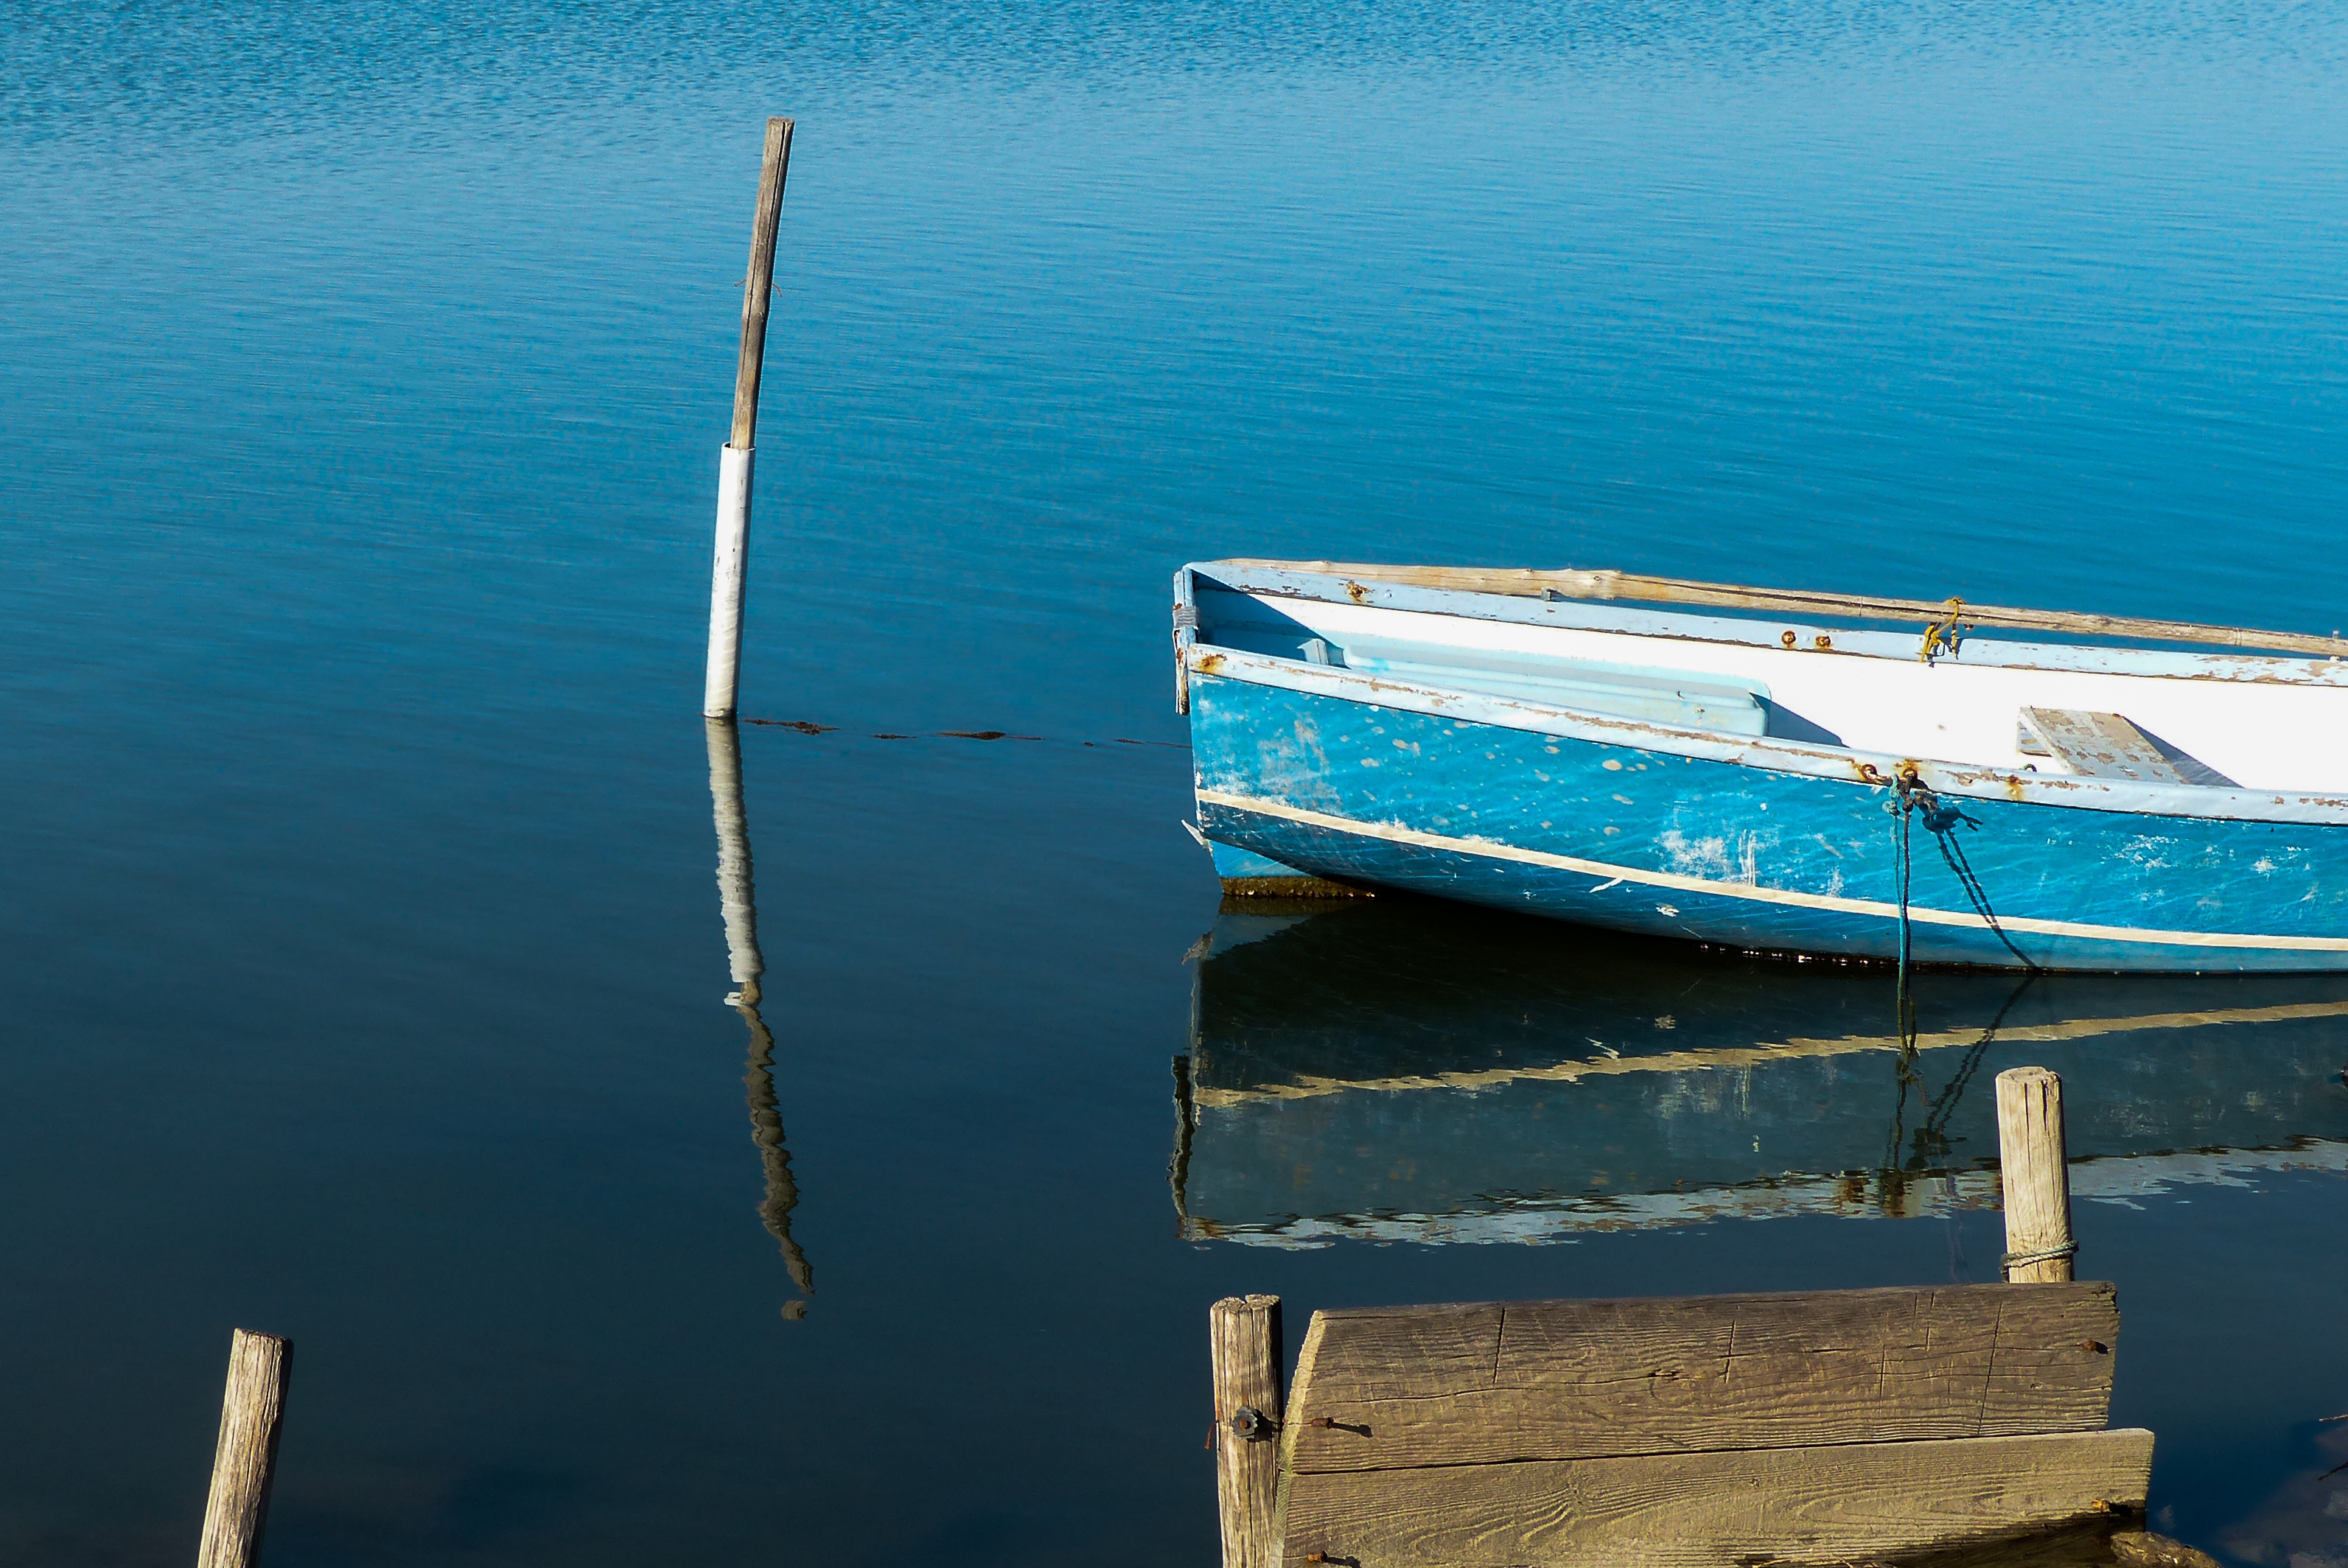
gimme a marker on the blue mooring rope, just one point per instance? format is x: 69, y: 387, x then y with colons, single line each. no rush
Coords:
x: 1910, y: 795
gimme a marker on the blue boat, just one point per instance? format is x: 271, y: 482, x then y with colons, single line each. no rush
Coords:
x: 1795, y: 772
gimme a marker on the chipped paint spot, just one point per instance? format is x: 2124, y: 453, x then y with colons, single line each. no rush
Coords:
x: 1698, y: 857
x: 1748, y: 858
x: 1611, y: 765
x: 1667, y: 909
x: 1626, y: 800
x: 2263, y: 865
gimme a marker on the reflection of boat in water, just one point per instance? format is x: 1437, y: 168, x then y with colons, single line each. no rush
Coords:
x: 1405, y: 1072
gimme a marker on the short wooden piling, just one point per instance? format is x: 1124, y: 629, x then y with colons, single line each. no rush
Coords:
x: 1245, y: 1332
x: 2036, y: 1175
x: 734, y: 463
x: 252, y: 1411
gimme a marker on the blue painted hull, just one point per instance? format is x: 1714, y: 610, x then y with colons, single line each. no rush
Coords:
x: 1639, y: 838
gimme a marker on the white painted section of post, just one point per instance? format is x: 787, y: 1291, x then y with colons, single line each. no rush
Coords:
x: 726, y: 564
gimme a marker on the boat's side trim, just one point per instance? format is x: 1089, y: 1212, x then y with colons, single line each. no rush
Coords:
x: 1395, y: 833
x: 2133, y: 796
x: 1282, y: 581
x: 1632, y: 586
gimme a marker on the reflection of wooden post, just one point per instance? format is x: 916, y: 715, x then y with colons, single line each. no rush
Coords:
x: 245, y: 1462
x: 1245, y: 1333
x: 738, y: 899
x: 735, y: 898
x: 2035, y: 1176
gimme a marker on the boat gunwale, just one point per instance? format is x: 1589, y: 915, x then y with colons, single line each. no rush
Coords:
x: 1842, y: 766
x: 1611, y: 586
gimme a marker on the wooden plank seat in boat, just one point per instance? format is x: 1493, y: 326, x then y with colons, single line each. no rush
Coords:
x: 1815, y: 1427
x: 2097, y: 745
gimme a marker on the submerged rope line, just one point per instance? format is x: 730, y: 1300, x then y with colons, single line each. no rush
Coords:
x: 810, y: 727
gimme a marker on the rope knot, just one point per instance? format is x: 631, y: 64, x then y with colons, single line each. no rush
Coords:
x: 2014, y: 1260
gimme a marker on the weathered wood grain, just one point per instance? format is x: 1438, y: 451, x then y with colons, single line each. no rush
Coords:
x: 245, y: 1463
x: 1404, y: 1352
x: 1565, y: 1380
x: 1243, y: 1333
x: 2100, y: 745
x: 758, y: 283
x: 2034, y: 1174
x: 1814, y: 1505
x: 1608, y: 584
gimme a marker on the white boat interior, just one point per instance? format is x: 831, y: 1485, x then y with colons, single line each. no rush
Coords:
x: 2222, y: 713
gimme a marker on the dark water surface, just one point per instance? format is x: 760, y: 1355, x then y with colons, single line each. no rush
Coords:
x: 361, y: 381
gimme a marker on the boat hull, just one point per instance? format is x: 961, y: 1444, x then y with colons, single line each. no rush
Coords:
x: 1639, y: 837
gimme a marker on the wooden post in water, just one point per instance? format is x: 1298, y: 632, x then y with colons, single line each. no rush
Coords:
x: 2036, y: 1175
x: 245, y: 1462
x: 734, y: 463
x: 1245, y: 1334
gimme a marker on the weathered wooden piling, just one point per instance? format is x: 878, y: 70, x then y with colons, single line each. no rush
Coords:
x: 245, y: 1463
x: 2035, y: 1176
x: 1245, y: 1332
x: 734, y: 463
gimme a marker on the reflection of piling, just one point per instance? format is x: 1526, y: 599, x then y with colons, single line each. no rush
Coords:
x: 1177, y: 1169
x: 1245, y: 1332
x: 737, y: 897
x: 253, y: 1410
x: 2035, y: 1174
x: 735, y: 893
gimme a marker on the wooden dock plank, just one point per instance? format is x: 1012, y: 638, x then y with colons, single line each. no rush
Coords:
x: 1403, y: 1352
x: 1785, y: 1506
x: 1568, y: 1379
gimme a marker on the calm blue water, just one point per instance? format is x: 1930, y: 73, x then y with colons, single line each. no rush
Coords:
x: 361, y: 381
